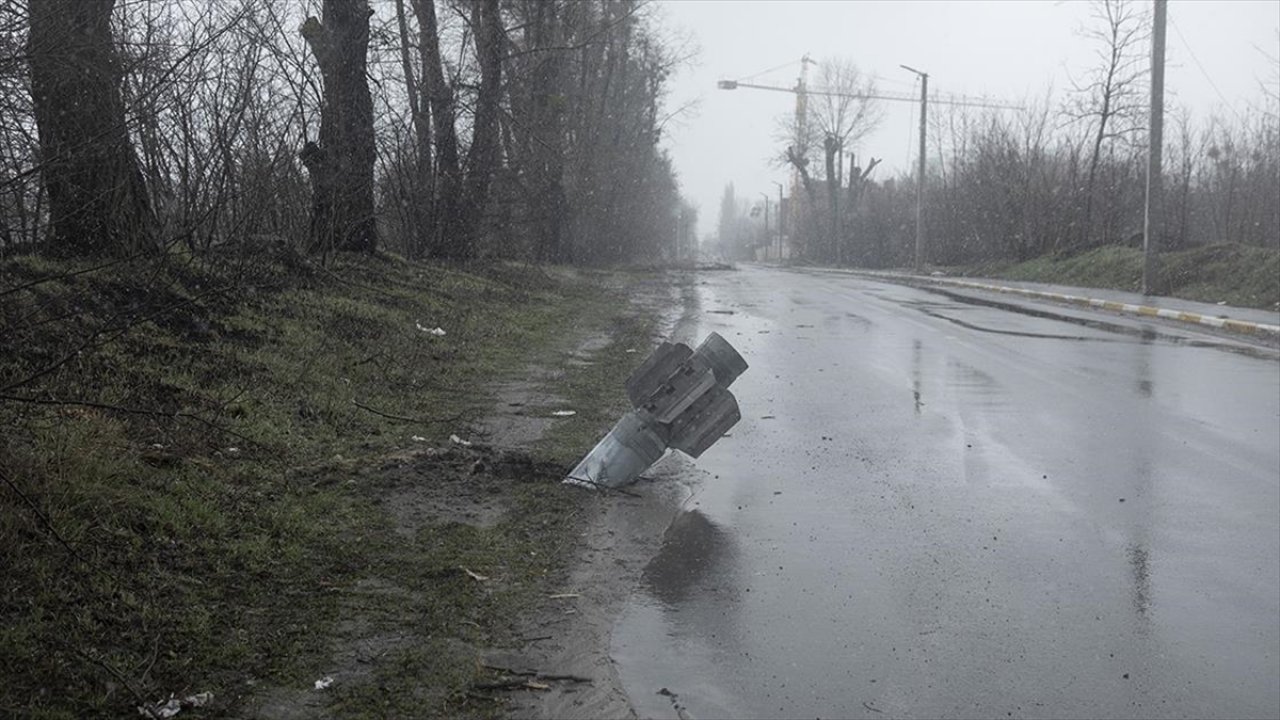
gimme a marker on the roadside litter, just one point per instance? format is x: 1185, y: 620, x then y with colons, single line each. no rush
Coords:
x: 174, y: 705
x: 681, y: 400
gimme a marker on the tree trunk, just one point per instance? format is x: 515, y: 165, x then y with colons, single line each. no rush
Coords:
x: 98, y: 202
x: 341, y: 164
x: 805, y: 243
x: 1086, y: 240
x: 448, y: 241
x: 546, y: 146
x: 484, y: 155
x: 421, y: 184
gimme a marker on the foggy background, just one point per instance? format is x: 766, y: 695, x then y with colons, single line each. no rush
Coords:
x: 1219, y: 53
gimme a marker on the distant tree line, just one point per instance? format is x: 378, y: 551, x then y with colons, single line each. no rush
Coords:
x: 1061, y: 176
x: 1011, y: 187
x: 450, y: 129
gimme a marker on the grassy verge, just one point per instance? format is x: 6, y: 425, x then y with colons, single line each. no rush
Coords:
x: 191, y: 497
x: 1238, y: 275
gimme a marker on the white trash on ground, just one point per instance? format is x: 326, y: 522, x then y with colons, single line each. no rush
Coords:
x: 173, y: 706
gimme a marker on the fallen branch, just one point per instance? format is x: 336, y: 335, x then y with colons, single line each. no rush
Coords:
x: 560, y: 677
x: 564, y: 678
x: 44, y: 520
x: 517, y: 684
x: 402, y: 418
x: 137, y: 694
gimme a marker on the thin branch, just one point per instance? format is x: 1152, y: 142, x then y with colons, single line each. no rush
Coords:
x: 131, y: 411
x: 44, y: 520
x: 401, y: 418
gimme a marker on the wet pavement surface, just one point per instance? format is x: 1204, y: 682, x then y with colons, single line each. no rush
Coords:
x: 936, y: 507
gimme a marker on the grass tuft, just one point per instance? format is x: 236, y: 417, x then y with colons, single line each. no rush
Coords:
x: 1239, y: 275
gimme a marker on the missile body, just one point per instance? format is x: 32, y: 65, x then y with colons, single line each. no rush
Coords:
x: 680, y: 399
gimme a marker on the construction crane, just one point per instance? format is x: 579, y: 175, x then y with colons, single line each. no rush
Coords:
x: 802, y: 92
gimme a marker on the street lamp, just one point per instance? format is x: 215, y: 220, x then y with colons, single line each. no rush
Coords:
x: 924, y: 111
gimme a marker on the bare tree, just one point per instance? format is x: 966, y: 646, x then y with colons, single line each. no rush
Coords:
x: 484, y: 153
x: 834, y: 115
x: 421, y: 187
x: 341, y: 164
x: 1111, y: 99
x: 98, y: 201
x: 22, y: 194
x: 541, y: 63
x: 842, y: 114
x: 447, y: 241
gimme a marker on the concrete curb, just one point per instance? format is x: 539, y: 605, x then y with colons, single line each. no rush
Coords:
x: 1240, y: 326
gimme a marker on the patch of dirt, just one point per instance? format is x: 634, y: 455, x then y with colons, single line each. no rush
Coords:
x: 522, y: 413
x: 515, y: 420
x: 432, y: 486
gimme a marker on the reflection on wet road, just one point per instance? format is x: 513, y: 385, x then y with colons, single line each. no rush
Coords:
x: 940, y: 508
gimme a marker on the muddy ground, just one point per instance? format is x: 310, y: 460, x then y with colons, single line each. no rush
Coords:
x: 539, y: 641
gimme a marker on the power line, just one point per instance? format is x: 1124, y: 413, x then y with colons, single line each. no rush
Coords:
x: 892, y: 81
x: 772, y: 69
x: 1204, y: 72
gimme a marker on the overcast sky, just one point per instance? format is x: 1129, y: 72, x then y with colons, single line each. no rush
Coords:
x: 1011, y: 50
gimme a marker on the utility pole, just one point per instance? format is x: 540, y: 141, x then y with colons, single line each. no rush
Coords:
x: 924, y: 114
x: 781, y: 217
x: 1153, y: 216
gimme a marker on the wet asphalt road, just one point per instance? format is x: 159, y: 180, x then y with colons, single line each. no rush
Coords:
x: 936, y: 508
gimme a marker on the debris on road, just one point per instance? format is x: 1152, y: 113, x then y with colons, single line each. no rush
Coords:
x: 459, y: 441
x: 680, y: 399
x: 324, y: 682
